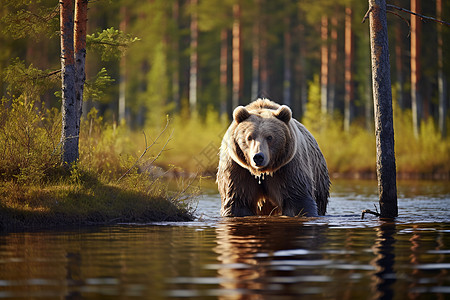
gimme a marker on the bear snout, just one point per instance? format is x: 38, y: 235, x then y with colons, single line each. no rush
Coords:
x: 258, y: 158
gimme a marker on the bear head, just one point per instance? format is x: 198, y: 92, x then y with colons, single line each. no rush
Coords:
x: 262, y: 139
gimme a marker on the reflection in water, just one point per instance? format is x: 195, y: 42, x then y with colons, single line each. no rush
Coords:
x: 265, y: 255
x: 334, y: 257
x: 384, y: 275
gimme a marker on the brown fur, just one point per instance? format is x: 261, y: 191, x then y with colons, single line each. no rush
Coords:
x: 292, y: 178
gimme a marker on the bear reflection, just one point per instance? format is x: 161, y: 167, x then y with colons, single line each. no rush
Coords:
x: 265, y: 255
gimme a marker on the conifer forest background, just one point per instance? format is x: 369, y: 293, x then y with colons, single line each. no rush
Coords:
x: 195, y: 60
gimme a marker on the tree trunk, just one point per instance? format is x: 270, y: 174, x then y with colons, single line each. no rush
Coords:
x: 193, y: 73
x: 123, y: 68
x: 302, y: 69
x: 175, y: 58
x: 399, y: 63
x: 255, y: 60
x: 69, y: 135
x: 416, y: 101
x: 442, y: 84
x: 333, y: 64
x: 382, y: 95
x: 348, y: 69
x: 324, y: 65
x: 287, y: 63
x: 264, y: 69
x: 81, y: 8
x: 223, y: 71
x: 237, y: 57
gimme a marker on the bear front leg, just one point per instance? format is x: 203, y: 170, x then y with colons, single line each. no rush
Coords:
x: 235, y: 208
x: 304, y: 206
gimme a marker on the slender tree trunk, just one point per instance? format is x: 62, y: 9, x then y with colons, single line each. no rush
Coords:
x: 442, y: 84
x: 324, y: 65
x: 348, y: 69
x: 287, y: 63
x: 333, y: 64
x: 175, y: 59
x: 69, y: 135
x: 193, y: 74
x: 302, y: 70
x: 123, y: 68
x: 223, y: 71
x: 237, y: 57
x: 416, y: 101
x: 264, y: 69
x: 81, y: 8
x: 382, y: 95
x: 399, y: 63
x: 255, y: 60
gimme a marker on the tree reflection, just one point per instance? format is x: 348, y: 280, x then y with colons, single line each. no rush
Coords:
x: 384, y: 276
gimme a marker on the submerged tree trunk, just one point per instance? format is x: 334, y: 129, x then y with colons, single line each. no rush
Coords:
x: 324, y: 65
x: 237, y: 57
x: 416, y: 101
x: 382, y: 94
x: 193, y: 72
x: 442, y: 84
x: 69, y: 135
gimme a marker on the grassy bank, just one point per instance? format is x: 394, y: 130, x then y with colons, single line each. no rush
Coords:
x: 36, y: 192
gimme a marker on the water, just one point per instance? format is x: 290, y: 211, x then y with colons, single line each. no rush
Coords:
x: 338, y: 256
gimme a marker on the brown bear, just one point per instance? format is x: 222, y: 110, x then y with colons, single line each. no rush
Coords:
x: 270, y: 164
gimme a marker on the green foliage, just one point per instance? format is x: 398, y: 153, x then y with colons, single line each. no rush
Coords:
x: 29, y: 140
x: 29, y: 19
x: 28, y: 81
x: 111, y: 43
x: 95, y: 88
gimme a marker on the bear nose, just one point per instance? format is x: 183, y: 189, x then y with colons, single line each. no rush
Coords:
x: 258, y: 158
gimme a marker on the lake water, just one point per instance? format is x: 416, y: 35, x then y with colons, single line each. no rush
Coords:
x: 338, y: 256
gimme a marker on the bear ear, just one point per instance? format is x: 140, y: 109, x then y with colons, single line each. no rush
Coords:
x: 283, y: 113
x: 240, y: 114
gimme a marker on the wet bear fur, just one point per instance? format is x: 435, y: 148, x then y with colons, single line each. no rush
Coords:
x: 270, y: 164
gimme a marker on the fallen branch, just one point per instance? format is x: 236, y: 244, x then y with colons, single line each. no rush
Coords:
x: 368, y: 211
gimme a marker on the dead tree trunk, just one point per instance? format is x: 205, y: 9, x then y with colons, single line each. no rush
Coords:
x: 69, y: 134
x: 287, y: 63
x: 382, y: 95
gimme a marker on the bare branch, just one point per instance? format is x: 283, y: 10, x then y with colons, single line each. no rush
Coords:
x: 416, y: 14
x: 148, y: 147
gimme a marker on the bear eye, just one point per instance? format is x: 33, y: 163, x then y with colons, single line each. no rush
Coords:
x: 269, y: 138
x: 249, y: 138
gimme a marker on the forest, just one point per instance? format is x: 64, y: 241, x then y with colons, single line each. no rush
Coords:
x: 192, y: 61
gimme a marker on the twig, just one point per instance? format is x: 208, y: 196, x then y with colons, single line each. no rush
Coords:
x: 368, y: 211
x: 401, y: 17
x: 146, y: 149
x: 416, y: 14
x: 367, y: 14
